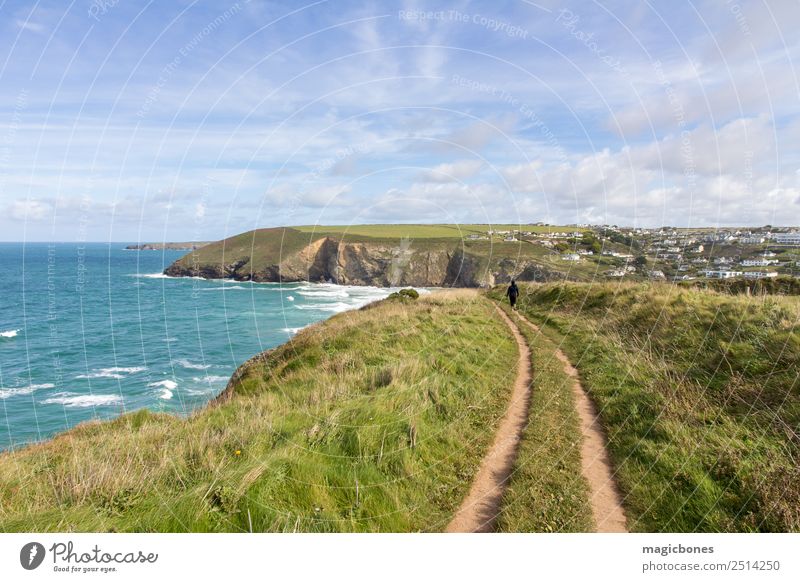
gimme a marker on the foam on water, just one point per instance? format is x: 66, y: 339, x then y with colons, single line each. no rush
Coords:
x: 10, y: 333
x: 168, y: 384
x: 116, y: 372
x: 324, y: 293
x: 22, y: 390
x: 150, y: 276
x: 73, y: 400
x: 184, y: 363
x: 211, y: 379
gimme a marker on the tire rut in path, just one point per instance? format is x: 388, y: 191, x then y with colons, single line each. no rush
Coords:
x: 607, y: 510
x: 481, y: 506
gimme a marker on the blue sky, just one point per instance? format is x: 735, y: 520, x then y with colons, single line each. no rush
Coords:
x: 129, y: 121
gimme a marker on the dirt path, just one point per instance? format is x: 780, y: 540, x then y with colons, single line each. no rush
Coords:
x: 606, y: 500
x: 479, y: 510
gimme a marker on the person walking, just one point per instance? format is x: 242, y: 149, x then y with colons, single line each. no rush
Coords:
x: 512, y: 293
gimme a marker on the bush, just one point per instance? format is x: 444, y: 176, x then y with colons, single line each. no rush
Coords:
x: 405, y: 294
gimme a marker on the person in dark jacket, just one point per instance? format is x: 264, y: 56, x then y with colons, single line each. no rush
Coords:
x: 512, y: 293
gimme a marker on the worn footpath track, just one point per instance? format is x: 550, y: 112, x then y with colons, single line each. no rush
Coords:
x: 480, y: 508
x: 482, y: 505
x: 607, y: 510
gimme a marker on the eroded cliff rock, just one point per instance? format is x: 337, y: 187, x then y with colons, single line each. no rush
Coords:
x: 380, y: 264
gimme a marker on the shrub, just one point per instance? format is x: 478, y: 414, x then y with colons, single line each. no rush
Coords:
x: 405, y: 294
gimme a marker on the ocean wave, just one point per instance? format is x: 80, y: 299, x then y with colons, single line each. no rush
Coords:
x: 225, y: 288
x: 9, y: 392
x: 210, y: 379
x: 167, y: 384
x: 128, y: 370
x: 292, y: 330
x: 169, y: 340
x: 10, y: 333
x: 323, y: 293
x: 151, y: 276
x: 72, y: 400
x: 163, y: 276
x: 115, y: 372
x: 199, y: 392
x: 191, y: 365
x: 337, y: 307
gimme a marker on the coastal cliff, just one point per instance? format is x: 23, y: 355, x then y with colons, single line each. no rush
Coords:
x: 289, y: 255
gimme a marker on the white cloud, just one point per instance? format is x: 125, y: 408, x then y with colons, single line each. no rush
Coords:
x: 31, y: 26
x: 705, y: 177
x: 452, y: 172
x: 33, y: 210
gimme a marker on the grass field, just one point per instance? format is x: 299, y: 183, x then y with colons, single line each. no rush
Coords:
x: 423, y: 231
x: 375, y: 420
x: 265, y: 246
x: 699, y: 394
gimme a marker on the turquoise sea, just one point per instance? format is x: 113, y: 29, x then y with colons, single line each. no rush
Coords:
x: 92, y: 331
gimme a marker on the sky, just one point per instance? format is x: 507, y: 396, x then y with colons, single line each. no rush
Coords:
x: 127, y: 120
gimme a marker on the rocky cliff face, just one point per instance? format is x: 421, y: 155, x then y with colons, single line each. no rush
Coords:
x: 370, y: 263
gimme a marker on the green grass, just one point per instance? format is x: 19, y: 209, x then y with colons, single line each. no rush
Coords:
x: 290, y: 254
x: 547, y: 491
x: 423, y: 231
x: 360, y: 232
x: 777, y: 286
x: 262, y: 247
x: 699, y: 394
x: 375, y: 420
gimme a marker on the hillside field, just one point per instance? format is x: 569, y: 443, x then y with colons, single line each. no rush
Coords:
x: 699, y: 394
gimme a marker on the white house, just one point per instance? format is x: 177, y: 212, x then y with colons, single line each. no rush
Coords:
x: 722, y: 274
x: 615, y: 273
x: 571, y: 257
x: 760, y: 274
x: 752, y: 240
x: 787, y: 238
x: 758, y: 262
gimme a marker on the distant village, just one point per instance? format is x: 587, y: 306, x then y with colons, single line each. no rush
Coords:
x: 675, y: 254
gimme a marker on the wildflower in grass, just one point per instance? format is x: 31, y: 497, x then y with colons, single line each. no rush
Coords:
x: 237, y: 452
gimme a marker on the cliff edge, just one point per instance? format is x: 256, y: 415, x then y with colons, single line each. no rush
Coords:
x: 291, y: 255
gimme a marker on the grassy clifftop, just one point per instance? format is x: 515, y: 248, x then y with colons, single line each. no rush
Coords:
x: 700, y: 395
x: 381, y: 255
x: 375, y: 420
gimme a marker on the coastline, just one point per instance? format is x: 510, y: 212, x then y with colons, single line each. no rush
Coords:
x: 225, y: 393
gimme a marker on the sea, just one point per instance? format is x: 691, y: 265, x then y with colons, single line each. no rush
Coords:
x: 92, y: 331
